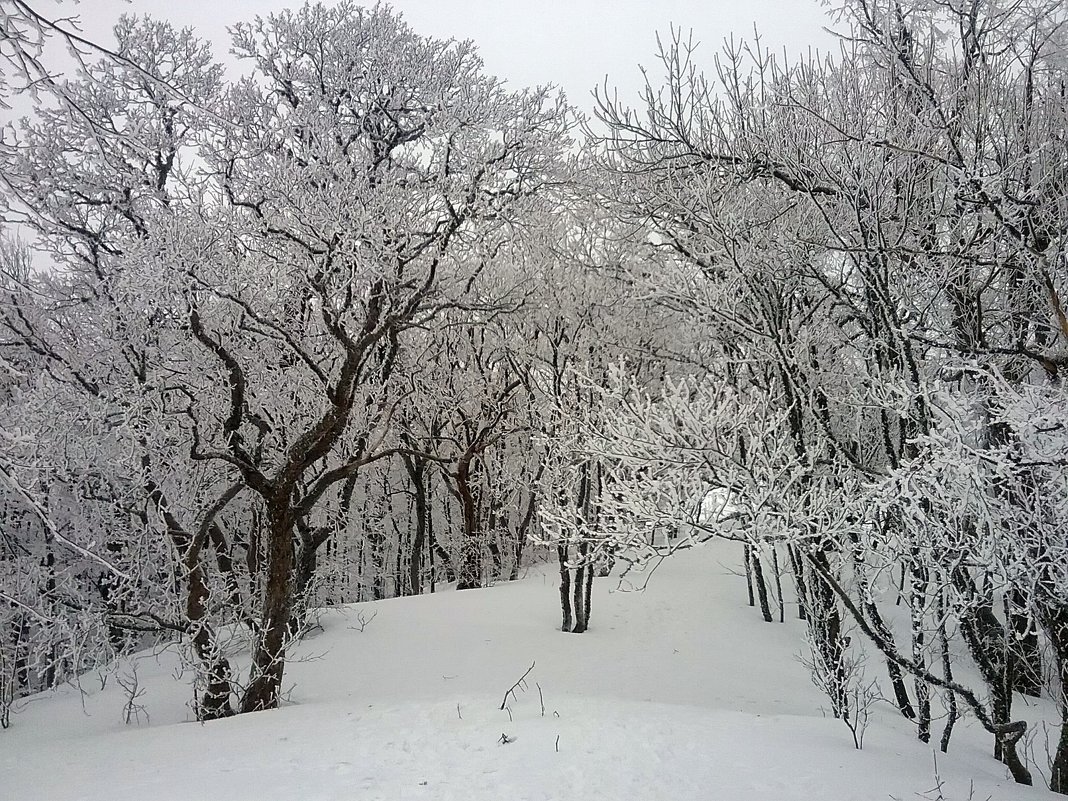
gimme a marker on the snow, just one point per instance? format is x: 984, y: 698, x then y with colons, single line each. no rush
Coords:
x: 679, y: 691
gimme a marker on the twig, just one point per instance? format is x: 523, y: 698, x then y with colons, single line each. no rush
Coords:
x: 511, y: 690
x: 54, y: 531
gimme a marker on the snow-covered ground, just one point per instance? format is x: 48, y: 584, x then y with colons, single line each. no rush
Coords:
x: 677, y: 692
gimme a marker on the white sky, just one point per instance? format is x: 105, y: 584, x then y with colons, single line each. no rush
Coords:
x: 527, y: 42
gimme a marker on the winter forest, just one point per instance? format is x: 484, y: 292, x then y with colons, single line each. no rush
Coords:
x: 356, y: 321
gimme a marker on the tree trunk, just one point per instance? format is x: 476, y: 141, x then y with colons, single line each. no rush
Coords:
x: 871, y: 608
x: 800, y: 583
x: 947, y: 671
x: 215, y: 703
x: 897, y: 678
x: 521, y: 532
x: 747, y: 557
x: 20, y: 673
x: 917, y: 603
x: 431, y: 543
x: 224, y: 561
x: 581, y: 611
x: 492, y: 532
x: 986, y: 639
x: 214, y: 667
x: 587, y: 601
x: 51, y: 672
x: 778, y: 583
x: 577, y: 591
x: 303, y: 575
x: 1056, y: 625
x: 470, y: 572
x: 761, y: 585
x: 1025, y: 652
x: 415, y: 567
x: 268, y: 659
x: 826, y: 622
x: 565, y: 587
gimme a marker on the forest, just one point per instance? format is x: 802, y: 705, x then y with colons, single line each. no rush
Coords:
x: 359, y: 321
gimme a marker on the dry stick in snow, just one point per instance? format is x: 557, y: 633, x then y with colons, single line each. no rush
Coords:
x: 511, y: 690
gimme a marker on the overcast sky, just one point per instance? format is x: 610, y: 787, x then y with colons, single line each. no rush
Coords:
x: 571, y: 43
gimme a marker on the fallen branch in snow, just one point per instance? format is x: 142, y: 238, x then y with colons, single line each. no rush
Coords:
x: 362, y: 621
x: 511, y: 690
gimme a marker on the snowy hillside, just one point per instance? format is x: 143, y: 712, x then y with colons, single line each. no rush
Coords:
x: 676, y: 692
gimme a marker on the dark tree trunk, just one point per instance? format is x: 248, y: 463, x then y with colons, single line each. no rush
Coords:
x: 798, y: 566
x: 268, y: 659
x: 303, y: 575
x: 253, y: 555
x: 20, y: 634
x: 587, y: 601
x: 521, y: 532
x: 400, y: 572
x: 947, y: 671
x: 917, y: 604
x: 986, y: 640
x: 215, y: 703
x: 579, y: 589
x: 747, y: 556
x: 577, y: 592
x: 446, y: 560
x: 826, y: 623
x: 1056, y: 624
x: 416, y: 472
x: 1025, y: 651
x: 51, y: 671
x: 377, y: 540
x: 778, y: 583
x: 565, y: 587
x: 431, y: 544
x: 897, y: 678
x: 470, y: 572
x: 761, y: 585
x: 494, y: 524
x: 224, y: 561
x: 215, y: 668
x: 496, y: 557
x: 581, y: 517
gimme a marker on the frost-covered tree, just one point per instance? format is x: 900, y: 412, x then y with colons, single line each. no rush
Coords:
x: 260, y: 253
x: 873, y: 247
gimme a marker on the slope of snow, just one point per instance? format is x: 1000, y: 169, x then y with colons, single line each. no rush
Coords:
x: 676, y: 692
